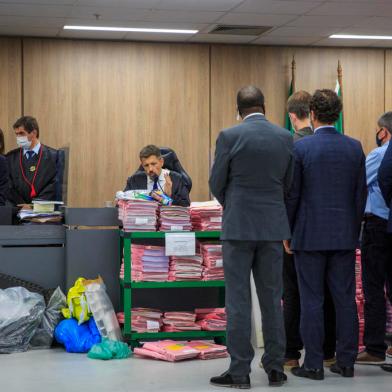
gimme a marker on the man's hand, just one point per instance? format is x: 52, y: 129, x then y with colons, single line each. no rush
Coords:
x: 287, y: 248
x: 168, y: 188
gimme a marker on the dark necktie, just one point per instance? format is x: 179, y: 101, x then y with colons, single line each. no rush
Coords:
x: 155, y: 186
x: 30, y: 154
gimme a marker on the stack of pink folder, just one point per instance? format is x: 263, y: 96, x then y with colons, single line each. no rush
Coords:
x: 149, y: 263
x: 213, y: 319
x: 185, y: 267
x: 212, y: 261
x: 174, y: 218
x: 180, y: 321
x: 167, y: 350
x: 138, y: 215
x: 144, y: 320
x: 360, y: 299
x: 206, y: 216
x: 208, y: 350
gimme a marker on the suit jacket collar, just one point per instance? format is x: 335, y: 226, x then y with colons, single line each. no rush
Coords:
x: 256, y: 117
x: 327, y: 130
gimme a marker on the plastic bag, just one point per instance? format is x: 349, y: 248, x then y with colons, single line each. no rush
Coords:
x: 77, y: 304
x: 109, y: 349
x: 43, y: 337
x: 21, y: 313
x: 77, y: 338
x: 102, y: 309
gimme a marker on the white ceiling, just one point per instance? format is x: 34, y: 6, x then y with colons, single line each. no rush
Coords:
x: 294, y: 22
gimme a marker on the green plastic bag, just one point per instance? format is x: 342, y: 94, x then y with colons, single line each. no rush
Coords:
x: 109, y: 349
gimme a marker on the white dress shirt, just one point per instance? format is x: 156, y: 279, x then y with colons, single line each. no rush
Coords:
x: 161, y: 181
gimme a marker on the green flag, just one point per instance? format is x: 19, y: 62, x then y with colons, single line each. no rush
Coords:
x: 288, y: 122
x: 339, y: 123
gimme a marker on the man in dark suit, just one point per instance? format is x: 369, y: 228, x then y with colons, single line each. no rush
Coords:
x: 32, y: 167
x: 3, y: 172
x: 325, y: 208
x: 299, y: 112
x: 155, y: 178
x: 252, y: 171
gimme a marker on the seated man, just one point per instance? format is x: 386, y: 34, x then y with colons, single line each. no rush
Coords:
x: 155, y: 178
x: 32, y: 167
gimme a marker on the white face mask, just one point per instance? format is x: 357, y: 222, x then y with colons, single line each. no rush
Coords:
x: 23, y: 142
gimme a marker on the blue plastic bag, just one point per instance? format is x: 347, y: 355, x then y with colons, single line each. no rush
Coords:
x: 77, y: 338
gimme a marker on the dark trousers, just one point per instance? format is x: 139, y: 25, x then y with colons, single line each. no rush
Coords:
x: 376, y: 274
x: 292, y: 314
x: 265, y: 260
x: 337, y: 268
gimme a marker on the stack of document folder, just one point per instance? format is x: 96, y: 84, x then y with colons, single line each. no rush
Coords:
x: 185, y: 267
x: 212, y: 261
x: 206, y: 216
x: 138, y: 215
x: 174, y: 218
x: 180, y: 321
x: 211, y: 319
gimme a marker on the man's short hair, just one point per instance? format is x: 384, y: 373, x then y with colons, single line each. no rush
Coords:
x: 298, y: 104
x: 148, y: 151
x: 250, y: 97
x: 385, y: 121
x: 326, y: 106
x: 28, y: 123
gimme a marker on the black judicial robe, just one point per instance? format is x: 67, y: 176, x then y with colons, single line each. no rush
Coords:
x: 3, y: 180
x: 45, y: 182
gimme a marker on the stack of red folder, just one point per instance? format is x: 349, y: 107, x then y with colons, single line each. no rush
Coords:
x: 180, y: 321
x: 174, y: 218
x: 360, y: 299
x: 211, y: 319
x: 209, y: 350
x: 206, y: 216
x: 144, y: 320
x: 138, y: 215
x: 212, y: 261
x: 185, y: 267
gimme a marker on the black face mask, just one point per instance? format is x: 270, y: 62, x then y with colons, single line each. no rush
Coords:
x: 378, y: 140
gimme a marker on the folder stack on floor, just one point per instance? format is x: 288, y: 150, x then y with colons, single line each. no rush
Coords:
x: 174, y: 218
x: 180, y: 321
x: 208, y: 350
x: 149, y: 263
x: 144, y: 320
x: 138, y: 214
x: 185, y: 267
x: 211, y: 319
x: 206, y: 216
x: 359, y: 297
x: 212, y: 261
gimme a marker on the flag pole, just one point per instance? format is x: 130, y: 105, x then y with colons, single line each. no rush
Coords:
x: 340, y: 80
x: 293, y: 68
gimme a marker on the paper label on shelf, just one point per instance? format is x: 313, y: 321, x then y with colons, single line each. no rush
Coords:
x: 216, y: 219
x: 141, y: 221
x: 152, y: 324
x: 219, y: 263
x: 180, y: 244
x: 176, y: 228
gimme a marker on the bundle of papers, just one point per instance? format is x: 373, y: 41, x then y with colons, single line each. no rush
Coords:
x: 138, y: 214
x: 180, y: 321
x: 149, y: 263
x: 206, y: 216
x: 185, y: 267
x: 212, y: 261
x: 211, y: 319
x: 174, y: 218
x: 167, y: 350
x: 144, y: 320
x: 208, y: 350
x: 45, y: 206
x: 32, y: 216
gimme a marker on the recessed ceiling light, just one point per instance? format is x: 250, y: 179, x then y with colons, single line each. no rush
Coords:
x: 131, y: 29
x: 354, y: 36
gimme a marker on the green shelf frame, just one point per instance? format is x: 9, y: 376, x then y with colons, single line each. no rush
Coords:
x: 127, y: 286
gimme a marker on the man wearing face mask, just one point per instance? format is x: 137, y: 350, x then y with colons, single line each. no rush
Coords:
x: 376, y: 251
x: 155, y: 178
x: 32, y: 166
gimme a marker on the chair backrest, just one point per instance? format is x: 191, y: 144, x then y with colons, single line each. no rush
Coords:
x: 62, y: 174
x: 172, y: 163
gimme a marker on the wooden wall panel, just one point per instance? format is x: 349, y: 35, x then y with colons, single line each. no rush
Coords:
x: 106, y: 100
x: 270, y: 69
x: 388, y: 80
x: 10, y: 87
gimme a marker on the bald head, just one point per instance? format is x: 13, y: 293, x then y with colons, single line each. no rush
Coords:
x: 250, y: 99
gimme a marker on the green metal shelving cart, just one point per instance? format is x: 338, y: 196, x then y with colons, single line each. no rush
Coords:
x: 127, y: 286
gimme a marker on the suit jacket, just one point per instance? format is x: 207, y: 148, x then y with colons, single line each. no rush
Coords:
x: 327, y: 200
x: 45, y: 183
x: 3, y: 180
x: 252, y: 171
x: 180, y: 193
x: 385, y: 181
x: 307, y: 131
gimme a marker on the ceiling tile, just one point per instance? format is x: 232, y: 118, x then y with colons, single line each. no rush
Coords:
x: 182, y: 16
x: 41, y: 2
x: 108, y: 13
x: 353, y: 8
x: 322, y: 21
x: 277, y: 6
x: 120, y: 3
x: 268, y: 40
x: 35, y: 10
x: 344, y: 42
x: 200, y: 5
x: 237, y: 18
x: 302, y: 32
x: 33, y: 22
x: 91, y: 34
x: 216, y: 38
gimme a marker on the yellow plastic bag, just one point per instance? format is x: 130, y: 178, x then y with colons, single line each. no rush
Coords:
x: 77, y: 303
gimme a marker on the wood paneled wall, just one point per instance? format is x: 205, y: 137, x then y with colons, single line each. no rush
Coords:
x: 106, y: 100
x: 10, y: 86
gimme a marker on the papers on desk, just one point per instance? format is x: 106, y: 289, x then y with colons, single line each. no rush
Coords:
x: 174, y: 218
x: 138, y: 214
x: 206, y: 216
x: 45, y: 206
x: 31, y: 216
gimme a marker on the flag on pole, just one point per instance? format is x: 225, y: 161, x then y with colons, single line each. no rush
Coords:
x: 339, y: 123
x: 288, y: 124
